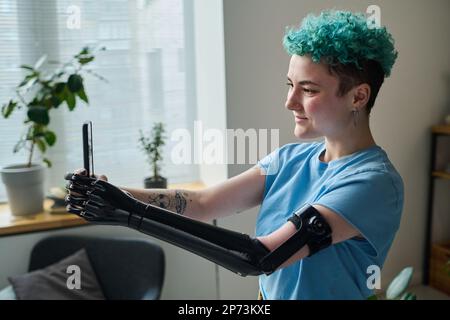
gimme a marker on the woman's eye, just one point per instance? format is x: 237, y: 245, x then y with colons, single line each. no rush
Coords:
x: 309, y: 91
x: 290, y: 84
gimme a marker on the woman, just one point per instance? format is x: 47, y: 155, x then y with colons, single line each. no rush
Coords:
x: 337, y: 66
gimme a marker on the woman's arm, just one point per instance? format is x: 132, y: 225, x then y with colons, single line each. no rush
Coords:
x: 234, y: 195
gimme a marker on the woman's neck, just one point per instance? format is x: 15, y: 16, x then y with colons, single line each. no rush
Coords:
x: 359, y: 138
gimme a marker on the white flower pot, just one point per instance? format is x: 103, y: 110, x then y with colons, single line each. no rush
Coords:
x: 25, y: 188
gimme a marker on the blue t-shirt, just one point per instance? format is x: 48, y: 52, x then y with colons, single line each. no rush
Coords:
x: 364, y: 188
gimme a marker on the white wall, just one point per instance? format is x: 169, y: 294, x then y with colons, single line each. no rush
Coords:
x: 210, y: 74
x: 411, y: 100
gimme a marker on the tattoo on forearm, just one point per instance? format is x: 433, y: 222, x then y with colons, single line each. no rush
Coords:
x: 180, y: 202
x: 177, y: 202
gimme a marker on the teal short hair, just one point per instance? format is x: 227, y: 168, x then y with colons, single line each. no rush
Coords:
x: 342, y: 37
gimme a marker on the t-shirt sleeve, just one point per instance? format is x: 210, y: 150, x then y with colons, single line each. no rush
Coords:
x: 270, y: 166
x: 370, y: 201
x: 270, y: 163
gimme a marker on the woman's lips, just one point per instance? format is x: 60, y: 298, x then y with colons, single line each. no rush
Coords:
x: 300, y: 119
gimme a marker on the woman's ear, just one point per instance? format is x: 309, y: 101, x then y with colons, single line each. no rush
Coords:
x: 361, y: 95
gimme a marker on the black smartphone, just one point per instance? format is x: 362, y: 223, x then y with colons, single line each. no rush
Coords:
x: 88, y: 152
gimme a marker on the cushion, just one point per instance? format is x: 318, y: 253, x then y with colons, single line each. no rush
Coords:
x: 57, y: 282
x: 7, y: 293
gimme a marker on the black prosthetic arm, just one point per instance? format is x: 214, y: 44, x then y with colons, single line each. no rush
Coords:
x: 101, y: 202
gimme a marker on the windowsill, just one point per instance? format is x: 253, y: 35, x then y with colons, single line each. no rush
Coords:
x: 14, y: 225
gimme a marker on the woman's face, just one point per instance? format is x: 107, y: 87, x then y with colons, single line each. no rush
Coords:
x: 312, y: 97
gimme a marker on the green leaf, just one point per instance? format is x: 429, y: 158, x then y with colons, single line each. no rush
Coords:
x: 82, y: 94
x: 59, y: 87
x: 408, y: 296
x: 61, y: 91
x: 39, y: 115
x: 40, y: 144
x: 37, y: 131
x: 373, y: 297
x: 34, y: 102
x: 28, y: 78
x: 40, y: 62
x: 48, y: 103
x: 85, y: 60
x: 25, y: 66
x: 399, y: 284
x: 50, y: 137
x: 85, y: 50
x: 56, y: 101
x: 75, y: 83
x: 47, y: 162
x: 70, y: 99
x: 7, y: 109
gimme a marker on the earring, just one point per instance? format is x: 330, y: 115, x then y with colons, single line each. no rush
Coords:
x: 355, y: 113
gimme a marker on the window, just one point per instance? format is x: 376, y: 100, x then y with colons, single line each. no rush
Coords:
x: 144, y: 63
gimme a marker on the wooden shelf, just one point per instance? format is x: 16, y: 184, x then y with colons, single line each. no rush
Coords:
x: 11, y: 225
x: 441, y: 174
x: 437, y: 132
x: 441, y: 129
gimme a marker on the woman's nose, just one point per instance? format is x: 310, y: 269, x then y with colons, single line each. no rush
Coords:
x: 293, y: 101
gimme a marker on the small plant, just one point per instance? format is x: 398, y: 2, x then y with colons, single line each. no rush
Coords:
x: 397, y: 288
x: 152, y: 147
x: 40, y: 92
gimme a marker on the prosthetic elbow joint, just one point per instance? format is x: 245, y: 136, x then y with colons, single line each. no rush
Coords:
x: 312, y: 230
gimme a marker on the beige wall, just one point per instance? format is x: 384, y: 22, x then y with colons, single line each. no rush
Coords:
x: 410, y: 101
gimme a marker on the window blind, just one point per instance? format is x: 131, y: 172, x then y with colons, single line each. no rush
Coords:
x: 148, y: 44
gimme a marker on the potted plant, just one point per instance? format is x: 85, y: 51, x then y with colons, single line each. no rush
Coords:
x: 397, y: 288
x: 152, y: 147
x: 38, y: 93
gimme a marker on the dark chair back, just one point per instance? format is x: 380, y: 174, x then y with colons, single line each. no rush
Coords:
x: 126, y: 268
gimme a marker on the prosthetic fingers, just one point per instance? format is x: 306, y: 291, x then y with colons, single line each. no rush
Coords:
x: 100, y: 202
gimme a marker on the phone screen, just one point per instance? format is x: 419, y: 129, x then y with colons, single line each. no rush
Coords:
x: 88, y: 155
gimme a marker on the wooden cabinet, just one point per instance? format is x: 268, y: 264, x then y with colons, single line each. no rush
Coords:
x: 435, y: 266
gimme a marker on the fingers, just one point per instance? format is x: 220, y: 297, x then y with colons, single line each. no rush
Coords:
x: 77, y: 201
x: 90, y: 210
x: 81, y: 172
x: 76, y: 189
x: 78, y: 184
x: 79, y: 178
x: 78, y: 211
x: 101, y: 177
x: 68, y: 176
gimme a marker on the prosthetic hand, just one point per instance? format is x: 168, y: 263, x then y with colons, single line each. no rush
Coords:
x: 101, y: 202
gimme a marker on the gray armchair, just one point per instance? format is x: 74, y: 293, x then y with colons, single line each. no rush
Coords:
x: 126, y: 268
